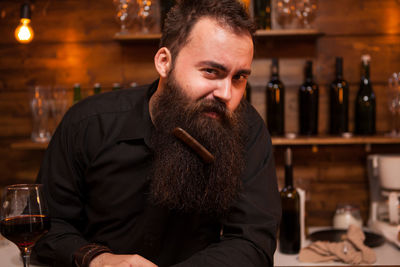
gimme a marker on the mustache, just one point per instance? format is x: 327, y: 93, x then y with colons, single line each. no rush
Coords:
x: 215, y: 106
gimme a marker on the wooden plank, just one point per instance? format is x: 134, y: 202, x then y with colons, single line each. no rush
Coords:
x: 331, y: 140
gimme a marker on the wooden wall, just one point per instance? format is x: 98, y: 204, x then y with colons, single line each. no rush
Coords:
x: 74, y: 43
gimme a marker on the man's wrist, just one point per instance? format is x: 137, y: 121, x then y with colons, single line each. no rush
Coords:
x: 84, y: 255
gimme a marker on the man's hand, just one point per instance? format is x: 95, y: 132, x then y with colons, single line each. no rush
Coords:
x: 113, y: 260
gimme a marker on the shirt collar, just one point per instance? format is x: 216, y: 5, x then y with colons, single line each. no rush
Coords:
x: 140, y: 114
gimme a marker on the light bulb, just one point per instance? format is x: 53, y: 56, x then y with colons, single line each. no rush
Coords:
x: 24, y: 33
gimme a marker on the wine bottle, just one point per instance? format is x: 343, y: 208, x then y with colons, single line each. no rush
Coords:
x: 275, y: 101
x: 116, y: 86
x: 289, y: 230
x: 96, y: 88
x: 262, y: 14
x: 247, y: 93
x: 339, y: 102
x: 365, y: 102
x: 77, y: 93
x: 308, y: 103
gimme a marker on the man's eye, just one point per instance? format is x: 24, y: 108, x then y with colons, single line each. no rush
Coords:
x: 240, y: 77
x: 210, y: 71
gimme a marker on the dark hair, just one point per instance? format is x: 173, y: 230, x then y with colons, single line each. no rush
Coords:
x: 184, y: 15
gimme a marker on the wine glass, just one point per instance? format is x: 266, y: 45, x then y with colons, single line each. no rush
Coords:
x: 305, y: 11
x: 285, y: 10
x: 124, y: 14
x: 394, y: 103
x: 24, y: 217
x: 145, y: 10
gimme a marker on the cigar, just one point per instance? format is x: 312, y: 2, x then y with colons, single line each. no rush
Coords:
x: 186, y: 138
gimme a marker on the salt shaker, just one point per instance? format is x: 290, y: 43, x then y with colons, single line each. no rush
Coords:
x: 345, y: 215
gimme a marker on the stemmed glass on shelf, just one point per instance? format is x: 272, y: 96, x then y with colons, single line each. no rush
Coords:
x: 24, y: 217
x: 306, y: 11
x: 394, y: 103
x: 124, y: 14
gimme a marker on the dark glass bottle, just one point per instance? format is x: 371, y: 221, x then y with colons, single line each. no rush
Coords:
x: 77, y: 93
x: 365, y: 102
x: 96, y: 88
x: 116, y: 86
x: 165, y: 6
x: 275, y: 101
x: 308, y: 103
x: 339, y: 102
x: 262, y: 14
x: 247, y: 93
x: 289, y: 230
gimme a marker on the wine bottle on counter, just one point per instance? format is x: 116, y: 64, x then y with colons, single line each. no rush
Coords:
x: 77, y: 93
x: 262, y: 14
x: 247, y: 93
x: 339, y: 102
x: 96, y: 88
x: 289, y: 230
x: 275, y: 101
x: 365, y: 101
x: 116, y: 86
x: 308, y: 103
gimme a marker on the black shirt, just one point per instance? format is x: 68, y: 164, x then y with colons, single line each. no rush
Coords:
x: 96, y: 181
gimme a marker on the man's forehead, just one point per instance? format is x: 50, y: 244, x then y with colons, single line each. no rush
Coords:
x: 206, y: 25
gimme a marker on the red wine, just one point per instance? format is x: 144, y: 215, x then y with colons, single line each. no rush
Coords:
x: 308, y: 104
x: 289, y: 230
x: 339, y: 101
x: 365, y: 113
x: 25, y: 230
x: 275, y: 102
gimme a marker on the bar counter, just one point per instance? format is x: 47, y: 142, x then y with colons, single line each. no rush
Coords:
x: 387, y: 255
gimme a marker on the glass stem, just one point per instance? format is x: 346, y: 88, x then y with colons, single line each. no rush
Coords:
x: 26, y: 254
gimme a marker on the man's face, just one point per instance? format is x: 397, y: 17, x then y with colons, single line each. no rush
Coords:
x: 214, y: 64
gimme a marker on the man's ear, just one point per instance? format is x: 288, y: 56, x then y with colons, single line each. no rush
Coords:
x: 163, y: 61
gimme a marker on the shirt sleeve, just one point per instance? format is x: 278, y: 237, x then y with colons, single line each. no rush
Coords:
x: 60, y: 173
x: 249, y: 232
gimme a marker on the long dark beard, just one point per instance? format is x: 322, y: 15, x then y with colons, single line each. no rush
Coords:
x: 181, y: 180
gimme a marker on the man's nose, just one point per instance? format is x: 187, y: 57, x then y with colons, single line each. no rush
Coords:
x: 224, y: 90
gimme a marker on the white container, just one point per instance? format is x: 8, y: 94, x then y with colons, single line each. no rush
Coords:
x: 389, y: 171
x: 346, y: 215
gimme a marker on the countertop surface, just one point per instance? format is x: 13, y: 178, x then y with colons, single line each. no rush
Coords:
x: 387, y: 255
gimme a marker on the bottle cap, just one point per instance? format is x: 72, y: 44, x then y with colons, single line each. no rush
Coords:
x: 365, y: 58
x: 77, y: 85
x: 97, y: 85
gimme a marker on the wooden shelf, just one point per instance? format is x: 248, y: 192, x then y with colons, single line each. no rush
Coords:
x: 333, y: 140
x: 259, y: 33
x: 29, y: 145
x: 289, y: 33
x: 276, y: 141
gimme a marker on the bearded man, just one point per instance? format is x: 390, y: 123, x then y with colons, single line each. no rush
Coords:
x: 124, y: 190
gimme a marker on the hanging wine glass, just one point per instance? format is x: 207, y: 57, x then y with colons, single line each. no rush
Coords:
x: 285, y: 10
x: 306, y: 11
x: 125, y: 14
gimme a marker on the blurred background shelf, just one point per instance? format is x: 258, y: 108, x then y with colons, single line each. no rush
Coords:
x: 335, y: 140
x: 277, y: 141
x: 259, y: 34
x: 28, y: 145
